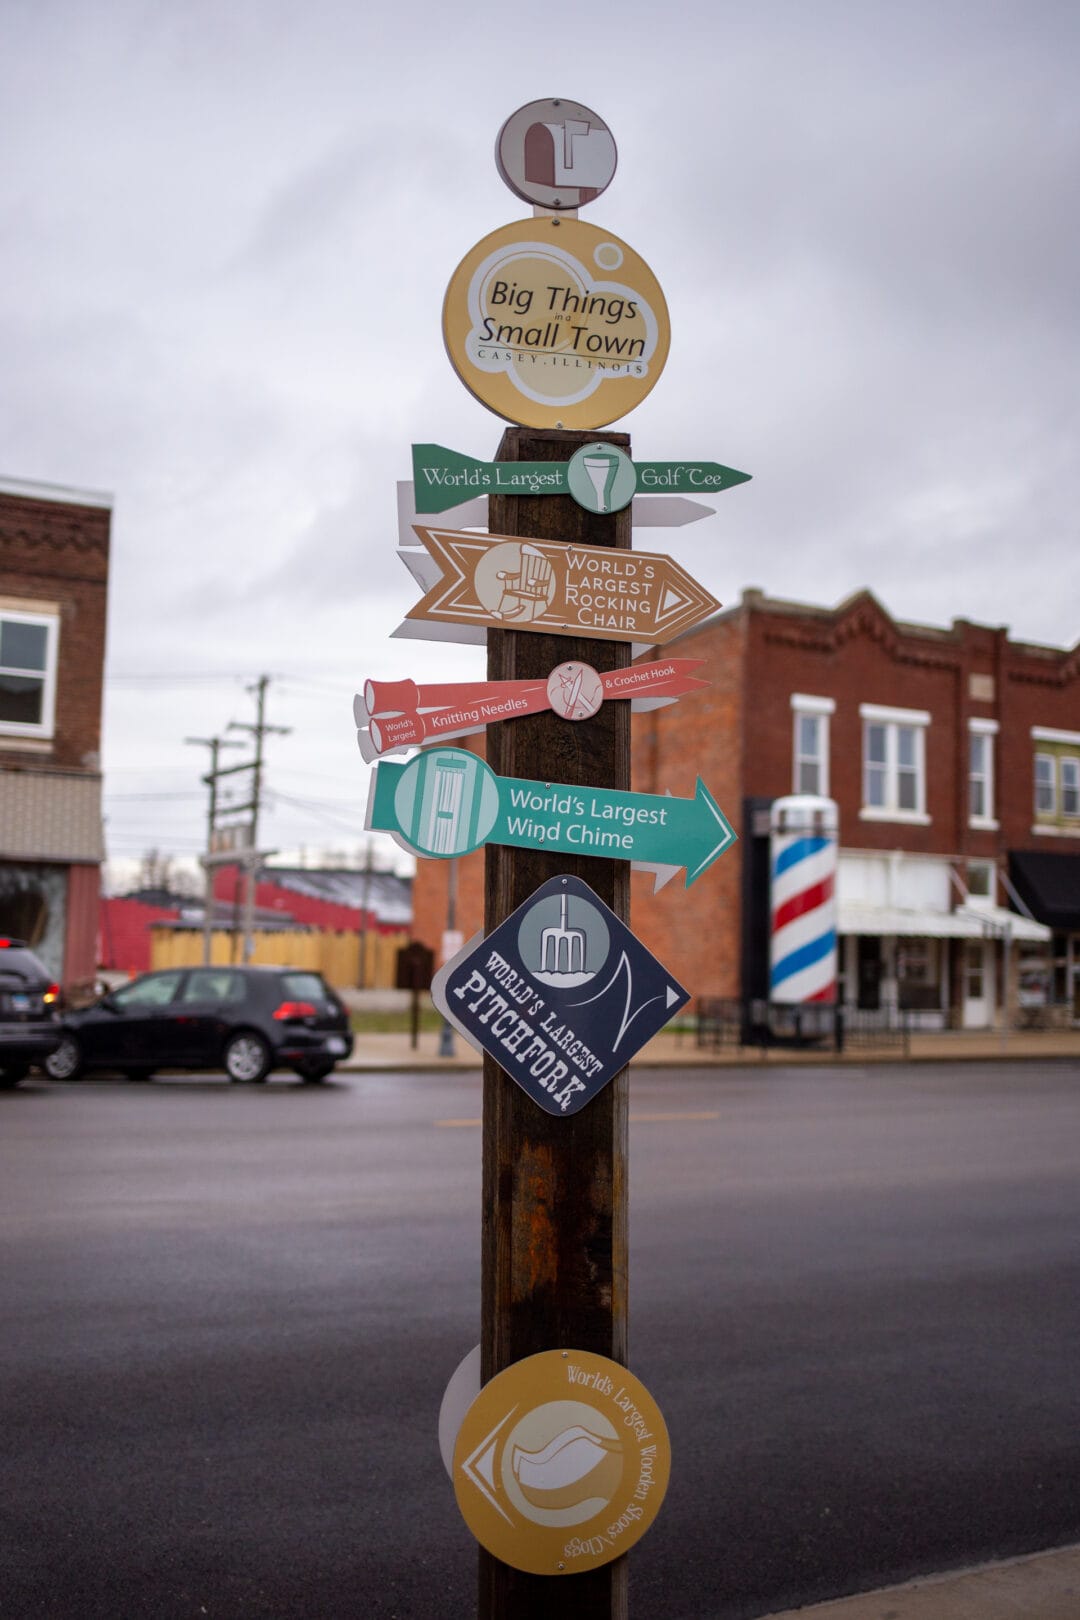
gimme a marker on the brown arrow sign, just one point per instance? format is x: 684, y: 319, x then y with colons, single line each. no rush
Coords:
x: 514, y: 583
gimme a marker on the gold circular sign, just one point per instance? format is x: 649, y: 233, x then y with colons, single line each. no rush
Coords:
x: 561, y: 1462
x: 554, y: 323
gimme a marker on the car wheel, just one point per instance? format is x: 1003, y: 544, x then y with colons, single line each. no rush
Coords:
x: 12, y: 1074
x: 66, y: 1062
x: 246, y: 1057
x: 312, y: 1072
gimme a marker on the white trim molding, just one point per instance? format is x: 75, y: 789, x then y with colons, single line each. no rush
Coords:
x: 27, y: 490
x: 1047, y: 734
x: 813, y: 705
x: 882, y: 715
x: 917, y: 818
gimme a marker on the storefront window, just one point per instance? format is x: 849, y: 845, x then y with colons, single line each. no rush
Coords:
x: 33, y: 907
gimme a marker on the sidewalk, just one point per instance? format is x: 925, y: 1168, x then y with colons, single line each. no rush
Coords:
x: 668, y: 1051
x: 1045, y: 1586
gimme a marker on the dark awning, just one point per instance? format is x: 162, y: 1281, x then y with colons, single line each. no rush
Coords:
x: 1049, y: 884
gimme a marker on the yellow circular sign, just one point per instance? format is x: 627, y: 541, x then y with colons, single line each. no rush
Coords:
x: 554, y: 323
x: 561, y: 1462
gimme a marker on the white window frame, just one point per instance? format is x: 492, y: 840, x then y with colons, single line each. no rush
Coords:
x: 1050, y: 809
x: 987, y: 730
x: 917, y: 720
x: 1072, y: 788
x: 48, y: 617
x: 805, y: 707
x: 1053, y: 820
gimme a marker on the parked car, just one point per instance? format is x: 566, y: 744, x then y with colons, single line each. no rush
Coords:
x: 29, y: 1004
x: 245, y: 1020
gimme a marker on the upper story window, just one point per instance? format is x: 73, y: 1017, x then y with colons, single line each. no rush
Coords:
x: 981, y: 734
x: 1045, y: 785
x: 810, y: 767
x: 894, y: 763
x: 1070, y: 787
x: 1056, y: 781
x: 28, y: 641
x: 981, y: 882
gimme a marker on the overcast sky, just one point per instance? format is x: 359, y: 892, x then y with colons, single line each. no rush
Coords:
x: 225, y: 233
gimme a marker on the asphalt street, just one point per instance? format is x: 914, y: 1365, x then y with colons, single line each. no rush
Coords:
x: 229, y: 1315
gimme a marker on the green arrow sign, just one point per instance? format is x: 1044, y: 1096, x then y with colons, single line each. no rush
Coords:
x: 444, y: 478
x: 446, y: 802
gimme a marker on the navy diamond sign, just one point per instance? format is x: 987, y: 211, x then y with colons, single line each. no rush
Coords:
x: 561, y: 995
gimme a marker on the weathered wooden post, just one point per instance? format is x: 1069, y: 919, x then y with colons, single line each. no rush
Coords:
x: 554, y: 1257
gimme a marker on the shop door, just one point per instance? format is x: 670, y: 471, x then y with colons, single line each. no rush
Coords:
x: 978, y: 1006
x: 869, y: 968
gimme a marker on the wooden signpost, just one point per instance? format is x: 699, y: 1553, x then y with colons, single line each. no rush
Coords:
x: 561, y: 1460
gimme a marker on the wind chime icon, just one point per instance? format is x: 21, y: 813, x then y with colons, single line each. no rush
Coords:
x: 444, y: 817
x: 562, y: 949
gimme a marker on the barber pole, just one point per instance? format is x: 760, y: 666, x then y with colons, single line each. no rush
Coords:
x: 802, y: 864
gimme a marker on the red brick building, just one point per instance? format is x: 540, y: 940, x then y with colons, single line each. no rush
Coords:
x: 54, y: 569
x: 954, y: 758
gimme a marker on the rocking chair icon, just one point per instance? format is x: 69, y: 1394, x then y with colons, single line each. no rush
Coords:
x: 527, y: 593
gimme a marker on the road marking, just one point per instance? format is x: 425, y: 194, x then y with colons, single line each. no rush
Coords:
x: 652, y: 1118
x: 649, y: 1119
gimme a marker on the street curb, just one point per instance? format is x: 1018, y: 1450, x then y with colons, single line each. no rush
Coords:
x: 1036, y: 1586
x: 424, y: 1065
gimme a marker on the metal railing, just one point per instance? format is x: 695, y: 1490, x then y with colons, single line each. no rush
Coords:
x: 729, y: 1022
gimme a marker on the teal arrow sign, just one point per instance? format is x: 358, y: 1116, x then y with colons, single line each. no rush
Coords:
x: 446, y: 802
x: 445, y: 478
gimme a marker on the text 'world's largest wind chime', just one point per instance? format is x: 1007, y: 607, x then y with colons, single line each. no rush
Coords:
x: 561, y: 1460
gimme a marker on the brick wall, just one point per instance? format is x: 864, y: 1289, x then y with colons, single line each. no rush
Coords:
x: 54, y: 553
x: 58, y: 551
x: 738, y: 736
x: 695, y: 931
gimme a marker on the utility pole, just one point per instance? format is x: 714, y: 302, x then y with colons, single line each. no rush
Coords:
x: 211, y: 779
x: 259, y: 730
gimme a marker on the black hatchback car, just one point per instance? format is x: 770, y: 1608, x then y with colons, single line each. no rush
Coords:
x: 29, y: 1002
x: 245, y: 1020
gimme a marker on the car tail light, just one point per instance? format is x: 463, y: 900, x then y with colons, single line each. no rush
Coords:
x: 296, y: 1009
x: 51, y: 994
x: 4, y: 943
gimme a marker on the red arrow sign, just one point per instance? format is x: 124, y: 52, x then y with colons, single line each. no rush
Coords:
x: 391, y: 709
x: 513, y: 583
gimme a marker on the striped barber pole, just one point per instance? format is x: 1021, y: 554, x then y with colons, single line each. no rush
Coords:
x: 802, y: 942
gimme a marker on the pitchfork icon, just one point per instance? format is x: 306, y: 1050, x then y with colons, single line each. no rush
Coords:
x: 562, y: 943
